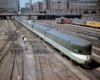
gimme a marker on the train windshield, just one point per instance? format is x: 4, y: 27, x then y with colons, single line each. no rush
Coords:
x: 82, y: 50
x: 88, y: 50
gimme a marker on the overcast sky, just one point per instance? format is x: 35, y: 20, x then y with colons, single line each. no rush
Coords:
x: 22, y: 2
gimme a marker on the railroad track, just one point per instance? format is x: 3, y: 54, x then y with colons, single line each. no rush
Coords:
x: 5, y: 49
x: 79, y: 29
x: 12, y: 62
x: 45, y: 59
x: 17, y: 63
x: 93, y: 71
x: 56, y: 72
x: 41, y: 60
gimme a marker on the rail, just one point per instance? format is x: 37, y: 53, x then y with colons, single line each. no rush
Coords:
x: 40, y: 48
x: 20, y: 72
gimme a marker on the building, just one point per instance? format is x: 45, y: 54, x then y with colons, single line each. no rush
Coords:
x: 83, y: 7
x: 37, y: 7
x: 24, y: 10
x: 67, y: 6
x: 10, y: 5
x: 28, y: 4
x: 30, y: 1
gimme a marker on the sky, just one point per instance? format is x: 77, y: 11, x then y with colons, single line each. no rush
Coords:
x: 22, y: 2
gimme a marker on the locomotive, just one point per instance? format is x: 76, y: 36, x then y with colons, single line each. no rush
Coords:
x: 77, y: 49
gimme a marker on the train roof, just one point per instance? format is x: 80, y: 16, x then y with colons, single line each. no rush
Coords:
x: 64, y: 36
x: 70, y: 38
x: 84, y: 20
x: 79, y: 20
x: 42, y: 26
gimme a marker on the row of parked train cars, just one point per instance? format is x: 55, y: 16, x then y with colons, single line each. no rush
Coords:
x: 89, y: 23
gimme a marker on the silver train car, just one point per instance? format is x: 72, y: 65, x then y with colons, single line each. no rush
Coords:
x: 79, y: 22
x: 77, y: 49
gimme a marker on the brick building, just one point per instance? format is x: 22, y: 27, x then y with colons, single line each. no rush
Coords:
x: 67, y: 6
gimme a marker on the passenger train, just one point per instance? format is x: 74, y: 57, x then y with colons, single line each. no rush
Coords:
x: 77, y: 49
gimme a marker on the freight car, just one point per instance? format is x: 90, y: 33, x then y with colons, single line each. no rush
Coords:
x: 77, y: 49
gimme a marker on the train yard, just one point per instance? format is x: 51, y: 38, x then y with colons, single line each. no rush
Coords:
x: 90, y: 34
x: 37, y: 60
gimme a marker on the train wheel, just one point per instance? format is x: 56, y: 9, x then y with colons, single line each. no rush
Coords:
x: 62, y: 54
x: 85, y: 66
x: 74, y: 62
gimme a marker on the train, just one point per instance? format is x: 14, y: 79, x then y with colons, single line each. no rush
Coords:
x: 75, y: 48
x: 83, y: 22
x: 60, y: 20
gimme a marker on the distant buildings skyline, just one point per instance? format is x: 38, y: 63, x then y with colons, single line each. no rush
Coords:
x: 22, y: 2
x: 28, y: 4
x: 66, y: 6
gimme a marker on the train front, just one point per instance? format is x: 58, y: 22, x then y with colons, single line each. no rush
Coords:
x: 82, y: 52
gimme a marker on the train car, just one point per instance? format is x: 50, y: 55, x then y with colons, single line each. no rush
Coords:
x: 93, y: 24
x: 79, y: 22
x: 68, y: 21
x: 77, y: 49
x: 57, y: 20
x: 60, y: 20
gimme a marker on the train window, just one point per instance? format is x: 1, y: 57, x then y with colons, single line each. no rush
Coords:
x: 80, y: 51
x: 89, y: 48
x: 88, y: 53
x: 75, y: 51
